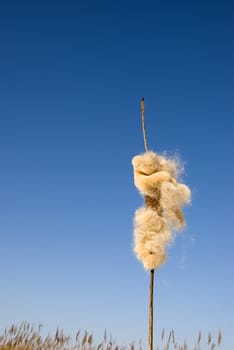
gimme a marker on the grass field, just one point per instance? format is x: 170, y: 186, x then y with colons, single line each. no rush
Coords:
x: 28, y: 337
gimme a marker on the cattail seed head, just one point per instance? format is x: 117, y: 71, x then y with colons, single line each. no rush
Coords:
x: 156, y: 179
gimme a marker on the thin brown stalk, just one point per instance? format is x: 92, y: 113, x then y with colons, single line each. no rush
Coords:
x: 219, y: 338
x: 151, y: 309
x: 143, y: 123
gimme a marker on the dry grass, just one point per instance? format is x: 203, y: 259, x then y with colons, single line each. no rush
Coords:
x: 208, y: 343
x: 27, y: 337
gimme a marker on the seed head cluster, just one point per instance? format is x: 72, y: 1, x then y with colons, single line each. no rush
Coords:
x: 156, y: 178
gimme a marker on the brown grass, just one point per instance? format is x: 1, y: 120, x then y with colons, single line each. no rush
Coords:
x: 28, y: 337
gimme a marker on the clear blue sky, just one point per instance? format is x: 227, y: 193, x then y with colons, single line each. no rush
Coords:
x: 72, y: 74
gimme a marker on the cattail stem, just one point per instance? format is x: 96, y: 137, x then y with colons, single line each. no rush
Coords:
x: 143, y: 123
x: 148, y: 203
x: 151, y: 309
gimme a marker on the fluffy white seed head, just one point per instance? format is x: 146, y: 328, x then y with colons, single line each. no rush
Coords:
x: 151, y: 235
x: 148, y: 220
x: 156, y: 178
x: 150, y: 259
x: 173, y: 165
x: 146, y: 163
x: 174, y: 194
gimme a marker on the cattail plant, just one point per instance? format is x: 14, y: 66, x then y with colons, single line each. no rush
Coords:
x: 156, y: 178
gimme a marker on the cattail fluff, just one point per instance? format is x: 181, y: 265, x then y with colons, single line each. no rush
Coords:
x: 156, y: 178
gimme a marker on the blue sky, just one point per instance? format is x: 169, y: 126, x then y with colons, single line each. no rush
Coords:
x: 72, y: 75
